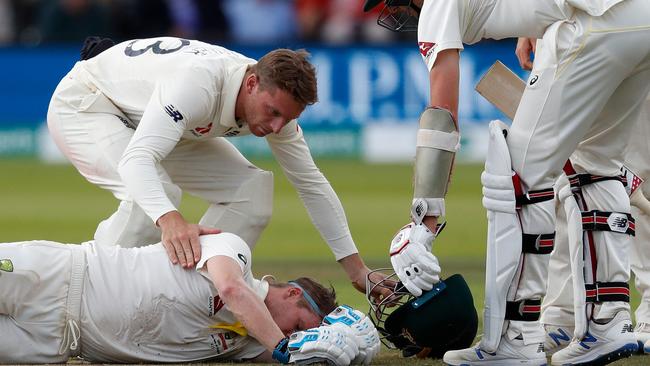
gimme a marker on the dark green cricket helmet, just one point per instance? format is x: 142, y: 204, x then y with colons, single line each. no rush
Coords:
x: 440, y: 320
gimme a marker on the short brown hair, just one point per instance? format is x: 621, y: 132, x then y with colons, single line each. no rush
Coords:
x: 324, y: 298
x: 291, y: 72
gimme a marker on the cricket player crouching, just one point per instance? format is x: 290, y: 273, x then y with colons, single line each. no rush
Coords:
x: 129, y: 305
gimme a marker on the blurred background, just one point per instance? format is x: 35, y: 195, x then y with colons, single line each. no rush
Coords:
x: 372, y: 82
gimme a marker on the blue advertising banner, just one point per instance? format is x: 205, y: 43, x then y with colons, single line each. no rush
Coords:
x: 359, y: 86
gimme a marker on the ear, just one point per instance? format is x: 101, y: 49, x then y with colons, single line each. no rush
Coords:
x: 293, y: 292
x: 251, y: 82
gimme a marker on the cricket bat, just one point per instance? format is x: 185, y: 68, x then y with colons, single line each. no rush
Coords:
x: 503, y: 88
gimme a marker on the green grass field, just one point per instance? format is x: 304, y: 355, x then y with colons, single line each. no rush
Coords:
x: 54, y: 202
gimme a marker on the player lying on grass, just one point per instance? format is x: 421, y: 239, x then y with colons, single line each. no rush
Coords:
x: 129, y: 305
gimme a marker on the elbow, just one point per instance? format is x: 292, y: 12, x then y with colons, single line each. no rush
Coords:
x: 230, y: 293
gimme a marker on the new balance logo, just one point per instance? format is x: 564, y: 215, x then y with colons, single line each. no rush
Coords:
x: 173, y: 113
x: 559, y: 337
x: 619, y: 222
x: 627, y: 328
x: 588, y: 339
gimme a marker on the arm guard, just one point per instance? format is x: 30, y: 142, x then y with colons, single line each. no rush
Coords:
x: 437, y: 142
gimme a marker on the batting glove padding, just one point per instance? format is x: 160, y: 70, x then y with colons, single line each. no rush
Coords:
x: 323, y: 344
x: 360, y: 327
x: 412, y: 260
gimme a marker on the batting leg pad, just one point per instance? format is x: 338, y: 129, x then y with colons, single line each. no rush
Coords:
x: 248, y: 211
x: 516, y: 256
x: 600, y: 238
x: 437, y: 142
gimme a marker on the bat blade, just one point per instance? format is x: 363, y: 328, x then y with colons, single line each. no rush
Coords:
x: 502, y: 87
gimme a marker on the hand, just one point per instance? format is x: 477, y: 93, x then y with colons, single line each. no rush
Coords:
x: 181, y: 239
x: 322, y: 344
x: 412, y: 260
x: 525, y: 46
x: 378, y: 293
x: 359, y: 326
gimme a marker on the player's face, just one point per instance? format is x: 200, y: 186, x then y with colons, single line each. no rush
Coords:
x: 401, y: 15
x: 291, y: 316
x: 268, y: 110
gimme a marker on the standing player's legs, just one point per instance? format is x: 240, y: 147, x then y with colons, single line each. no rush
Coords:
x: 636, y: 158
x: 240, y: 194
x: 91, y: 133
x: 557, y: 306
x: 640, y: 265
x: 580, y: 72
x: 39, y: 301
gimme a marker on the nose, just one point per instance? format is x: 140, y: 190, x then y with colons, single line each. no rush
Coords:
x: 277, y: 124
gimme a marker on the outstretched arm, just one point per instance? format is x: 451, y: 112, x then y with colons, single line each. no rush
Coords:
x: 249, y: 309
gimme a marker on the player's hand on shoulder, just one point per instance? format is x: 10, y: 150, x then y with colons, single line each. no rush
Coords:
x: 412, y: 260
x: 181, y: 239
x: 324, y: 344
x: 356, y: 324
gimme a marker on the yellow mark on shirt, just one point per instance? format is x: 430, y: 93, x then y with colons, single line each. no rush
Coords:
x: 233, y: 327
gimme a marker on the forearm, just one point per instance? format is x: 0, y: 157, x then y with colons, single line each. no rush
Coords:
x: 140, y: 177
x: 318, y: 196
x: 247, y: 307
x: 326, y: 213
x: 253, y: 314
x: 444, y: 82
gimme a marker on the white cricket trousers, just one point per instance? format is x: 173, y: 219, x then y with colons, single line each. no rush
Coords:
x: 589, y: 80
x: 87, y: 127
x: 557, y: 308
x: 40, y: 301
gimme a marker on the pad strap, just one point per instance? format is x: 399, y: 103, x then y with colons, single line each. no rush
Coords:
x: 617, y: 222
x: 524, y: 310
x: 607, y: 291
x: 538, y: 243
x: 579, y: 180
x: 530, y: 197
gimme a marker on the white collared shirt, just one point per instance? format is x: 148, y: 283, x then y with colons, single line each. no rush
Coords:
x: 139, y: 307
x: 171, y: 90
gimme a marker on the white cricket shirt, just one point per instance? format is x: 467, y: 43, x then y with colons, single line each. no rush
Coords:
x: 171, y: 89
x: 139, y: 307
x: 448, y: 24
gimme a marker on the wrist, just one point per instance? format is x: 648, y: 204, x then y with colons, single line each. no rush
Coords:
x: 281, y: 351
x: 168, y: 217
x: 353, y: 266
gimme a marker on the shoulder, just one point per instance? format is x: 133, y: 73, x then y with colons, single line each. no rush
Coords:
x: 225, y: 244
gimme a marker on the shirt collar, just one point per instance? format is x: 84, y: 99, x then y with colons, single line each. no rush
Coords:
x: 229, y: 91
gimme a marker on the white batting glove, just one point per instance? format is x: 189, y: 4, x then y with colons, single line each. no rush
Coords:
x: 412, y: 260
x: 358, y: 326
x: 323, y: 344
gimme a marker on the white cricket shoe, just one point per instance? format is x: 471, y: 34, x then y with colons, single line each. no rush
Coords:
x: 509, y: 353
x: 557, y: 338
x: 603, y: 343
x: 642, y: 334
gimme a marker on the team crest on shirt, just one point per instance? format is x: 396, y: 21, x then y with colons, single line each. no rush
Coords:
x: 200, y: 131
x: 214, y: 305
x: 426, y: 49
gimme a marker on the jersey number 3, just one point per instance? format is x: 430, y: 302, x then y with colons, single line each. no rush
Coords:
x: 154, y: 47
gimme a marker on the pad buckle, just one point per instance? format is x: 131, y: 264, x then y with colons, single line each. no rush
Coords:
x: 618, y: 222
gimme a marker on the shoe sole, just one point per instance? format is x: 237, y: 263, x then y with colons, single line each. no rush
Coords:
x: 540, y: 362
x: 622, y: 352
